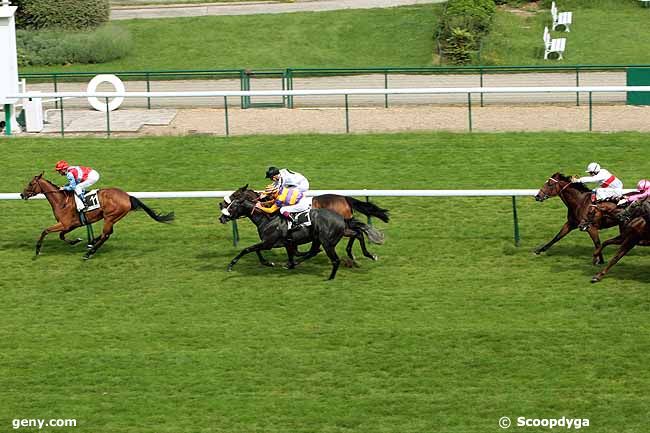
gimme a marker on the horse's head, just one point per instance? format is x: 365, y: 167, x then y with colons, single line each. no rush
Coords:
x: 237, y: 208
x: 241, y: 192
x: 553, y: 186
x: 33, y: 187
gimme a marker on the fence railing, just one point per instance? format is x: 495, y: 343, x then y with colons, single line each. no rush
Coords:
x: 367, y: 193
x: 381, y: 77
x: 346, y: 93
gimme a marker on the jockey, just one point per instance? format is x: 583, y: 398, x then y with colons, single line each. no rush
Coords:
x: 79, y: 178
x: 643, y: 188
x: 287, y: 200
x: 288, y: 178
x: 610, y: 185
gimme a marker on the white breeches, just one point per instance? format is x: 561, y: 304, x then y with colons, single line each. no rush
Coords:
x: 302, y: 205
x: 93, y: 177
x: 603, y: 193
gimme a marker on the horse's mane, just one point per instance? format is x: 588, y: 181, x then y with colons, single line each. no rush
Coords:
x: 581, y: 187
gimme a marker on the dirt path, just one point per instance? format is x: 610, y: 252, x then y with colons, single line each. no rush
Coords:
x: 254, y: 8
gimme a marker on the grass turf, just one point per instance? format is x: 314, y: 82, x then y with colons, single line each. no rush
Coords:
x: 597, y: 35
x: 352, y: 38
x: 453, y: 328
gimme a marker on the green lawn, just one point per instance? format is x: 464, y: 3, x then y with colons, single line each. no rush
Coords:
x: 450, y: 330
x: 601, y: 34
x: 349, y: 38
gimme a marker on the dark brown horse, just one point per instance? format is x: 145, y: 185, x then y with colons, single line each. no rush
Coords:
x: 635, y: 231
x: 115, y: 204
x: 342, y: 205
x: 577, y: 198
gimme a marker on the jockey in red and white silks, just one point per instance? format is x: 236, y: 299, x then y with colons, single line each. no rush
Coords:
x: 609, y: 185
x: 79, y: 179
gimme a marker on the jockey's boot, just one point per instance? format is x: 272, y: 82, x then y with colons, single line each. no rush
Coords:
x: 83, y: 201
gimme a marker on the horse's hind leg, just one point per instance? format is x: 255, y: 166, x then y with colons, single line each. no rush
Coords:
x: 330, y: 250
x: 627, y: 245
x: 364, y: 250
x: 598, y: 258
x: 55, y: 228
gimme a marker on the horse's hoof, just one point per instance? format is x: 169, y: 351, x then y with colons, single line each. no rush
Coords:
x: 269, y: 264
x: 595, y: 279
x: 87, y: 257
x: 229, y: 269
x: 89, y: 246
x: 374, y: 257
x: 537, y: 252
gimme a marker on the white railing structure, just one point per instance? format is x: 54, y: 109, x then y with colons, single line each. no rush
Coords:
x: 105, y: 96
x: 367, y: 193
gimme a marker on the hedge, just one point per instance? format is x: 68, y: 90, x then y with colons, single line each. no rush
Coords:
x: 62, y: 14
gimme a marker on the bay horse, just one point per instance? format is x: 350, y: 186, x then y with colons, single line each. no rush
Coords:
x: 635, y: 229
x: 115, y: 204
x: 577, y: 198
x: 342, y: 205
x: 327, y: 229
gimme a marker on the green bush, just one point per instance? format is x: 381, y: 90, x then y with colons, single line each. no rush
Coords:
x: 47, y: 47
x: 63, y: 14
x: 462, y: 26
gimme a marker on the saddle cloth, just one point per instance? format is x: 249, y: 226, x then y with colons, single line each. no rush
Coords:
x: 300, y: 219
x: 92, y: 201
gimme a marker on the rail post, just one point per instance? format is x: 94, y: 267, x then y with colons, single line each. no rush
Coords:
x: 469, y: 110
x: 481, y: 75
x: 148, y: 90
x: 577, y: 85
x: 62, y: 126
x: 7, y: 119
x: 235, y: 233
x: 386, y: 88
x: 590, y: 114
x: 225, y: 106
x: 516, y: 221
x: 347, y: 115
x: 108, y: 120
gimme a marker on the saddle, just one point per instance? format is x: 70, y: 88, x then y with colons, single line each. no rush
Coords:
x: 300, y: 219
x: 92, y: 203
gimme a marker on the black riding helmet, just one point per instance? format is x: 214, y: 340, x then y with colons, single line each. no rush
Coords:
x: 272, y: 171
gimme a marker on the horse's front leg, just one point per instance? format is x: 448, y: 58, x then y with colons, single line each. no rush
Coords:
x: 566, y: 228
x: 69, y: 242
x: 598, y: 258
x: 266, y: 245
x: 55, y: 228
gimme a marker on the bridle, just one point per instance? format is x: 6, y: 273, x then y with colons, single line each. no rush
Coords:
x: 559, y: 192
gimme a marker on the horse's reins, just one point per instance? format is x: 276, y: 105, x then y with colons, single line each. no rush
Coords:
x: 563, y: 188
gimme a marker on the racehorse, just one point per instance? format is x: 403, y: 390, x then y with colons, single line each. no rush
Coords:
x: 577, y: 198
x: 115, y: 204
x: 342, y: 205
x: 635, y: 230
x: 326, y: 229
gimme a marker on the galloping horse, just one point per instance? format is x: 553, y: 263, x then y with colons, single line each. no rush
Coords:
x: 342, y: 205
x: 634, y: 231
x: 115, y: 204
x: 326, y: 229
x: 577, y: 198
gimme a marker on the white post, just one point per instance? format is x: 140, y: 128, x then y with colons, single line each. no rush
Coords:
x: 8, y: 63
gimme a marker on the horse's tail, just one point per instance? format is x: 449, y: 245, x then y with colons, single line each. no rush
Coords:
x: 368, y: 208
x: 374, y: 235
x: 161, y: 218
